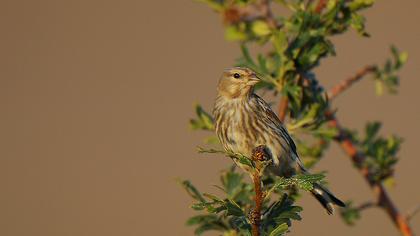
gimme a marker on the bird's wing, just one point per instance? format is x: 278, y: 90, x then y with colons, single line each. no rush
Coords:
x: 273, y: 118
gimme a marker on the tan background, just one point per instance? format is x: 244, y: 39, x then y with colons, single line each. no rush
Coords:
x: 95, y: 97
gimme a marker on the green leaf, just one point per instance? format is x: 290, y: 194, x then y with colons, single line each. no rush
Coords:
x: 399, y: 58
x: 358, y: 23
x: 282, y: 211
x: 280, y: 42
x: 260, y: 28
x: 372, y: 129
x: 237, y: 156
x: 218, y: 226
x: 211, y: 150
x: 379, y: 88
x: 387, y: 77
x: 199, y: 206
x: 198, y: 219
x: 403, y: 57
x: 233, y: 33
x: 303, y: 181
x: 357, y: 5
x: 244, y: 160
x: 204, y: 120
x: 306, y: 182
x: 233, y: 208
x: 191, y: 190
x: 350, y: 214
x: 232, y: 183
x: 212, y: 197
x: 326, y: 132
x: 212, y: 140
x: 381, y: 153
x: 280, y: 230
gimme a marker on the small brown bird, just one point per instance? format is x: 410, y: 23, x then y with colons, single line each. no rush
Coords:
x: 245, y: 121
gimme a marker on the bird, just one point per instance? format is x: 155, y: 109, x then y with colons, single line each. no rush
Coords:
x: 244, y: 121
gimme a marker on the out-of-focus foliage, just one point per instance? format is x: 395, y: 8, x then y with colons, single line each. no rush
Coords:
x: 387, y: 75
x: 204, y: 120
x: 284, y: 50
x: 350, y: 214
x: 381, y: 152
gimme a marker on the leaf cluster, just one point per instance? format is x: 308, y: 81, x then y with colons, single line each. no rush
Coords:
x: 350, y: 214
x: 381, y: 152
x: 387, y: 75
x: 230, y: 214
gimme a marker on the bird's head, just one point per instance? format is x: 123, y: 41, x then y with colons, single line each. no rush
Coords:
x: 237, y: 82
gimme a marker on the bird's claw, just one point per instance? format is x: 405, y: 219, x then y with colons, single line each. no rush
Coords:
x: 260, y: 153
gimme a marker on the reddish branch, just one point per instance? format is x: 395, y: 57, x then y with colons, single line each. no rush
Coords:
x: 339, y: 88
x: 284, y: 102
x: 366, y: 205
x: 256, y: 213
x: 320, y: 6
x: 258, y: 156
x: 382, y: 197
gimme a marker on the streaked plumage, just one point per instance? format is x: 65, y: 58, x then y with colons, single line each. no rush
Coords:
x: 244, y: 121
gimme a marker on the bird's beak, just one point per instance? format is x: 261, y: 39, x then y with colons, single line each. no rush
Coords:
x: 253, y: 80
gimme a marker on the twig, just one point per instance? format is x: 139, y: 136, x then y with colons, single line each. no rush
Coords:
x: 383, y: 199
x: 413, y: 212
x: 284, y: 102
x: 344, y: 85
x: 366, y: 205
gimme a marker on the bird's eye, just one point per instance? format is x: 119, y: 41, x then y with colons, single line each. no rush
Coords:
x: 236, y: 76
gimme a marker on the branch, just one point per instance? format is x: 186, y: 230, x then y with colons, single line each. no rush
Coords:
x: 258, y: 155
x: 366, y: 205
x: 320, y: 6
x: 256, y: 213
x: 284, y: 102
x: 344, y: 85
x: 383, y: 199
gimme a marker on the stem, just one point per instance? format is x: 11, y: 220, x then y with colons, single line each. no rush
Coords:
x: 366, y: 205
x: 283, y: 107
x: 258, y: 155
x: 345, y: 84
x: 259, y: 196
x: 383, y: 199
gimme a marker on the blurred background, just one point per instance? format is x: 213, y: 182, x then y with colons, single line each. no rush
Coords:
x: 95, y: 98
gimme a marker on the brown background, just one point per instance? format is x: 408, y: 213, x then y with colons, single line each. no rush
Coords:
x: 95, y: 97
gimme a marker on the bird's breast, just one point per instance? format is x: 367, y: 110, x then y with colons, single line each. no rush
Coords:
x: 237, y: 130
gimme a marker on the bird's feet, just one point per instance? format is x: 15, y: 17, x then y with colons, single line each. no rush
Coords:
x: 260, y: 154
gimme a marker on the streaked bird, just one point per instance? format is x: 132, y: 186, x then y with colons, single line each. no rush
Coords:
x: 245, y: 121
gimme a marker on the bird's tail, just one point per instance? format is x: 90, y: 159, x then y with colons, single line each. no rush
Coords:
x: 326, y: 198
